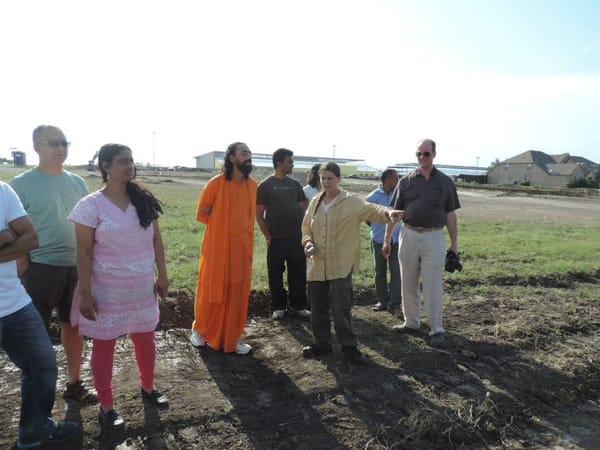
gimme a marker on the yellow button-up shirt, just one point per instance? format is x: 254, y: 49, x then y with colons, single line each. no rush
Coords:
x: 336, y: 234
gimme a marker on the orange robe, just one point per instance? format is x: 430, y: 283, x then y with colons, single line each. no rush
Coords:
x: 225, y: 267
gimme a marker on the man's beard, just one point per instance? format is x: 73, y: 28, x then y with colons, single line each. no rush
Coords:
x: 245, y: 167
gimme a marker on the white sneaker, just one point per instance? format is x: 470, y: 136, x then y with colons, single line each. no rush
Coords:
x: 197, y: 339
x: 278, y: 314
x: 242, y: 349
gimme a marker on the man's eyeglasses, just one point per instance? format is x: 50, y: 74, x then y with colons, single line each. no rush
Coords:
x: 55, y: 144
x: 423, y: 154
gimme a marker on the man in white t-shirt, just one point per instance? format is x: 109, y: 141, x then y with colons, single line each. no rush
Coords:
x: 22, y: 332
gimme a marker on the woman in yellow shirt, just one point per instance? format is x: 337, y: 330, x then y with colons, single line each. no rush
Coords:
x: 331, y: 240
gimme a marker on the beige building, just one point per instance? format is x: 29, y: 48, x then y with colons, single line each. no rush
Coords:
x: 540, y: 169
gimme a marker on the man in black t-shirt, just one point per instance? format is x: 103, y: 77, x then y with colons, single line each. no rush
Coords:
x: 280, y: 206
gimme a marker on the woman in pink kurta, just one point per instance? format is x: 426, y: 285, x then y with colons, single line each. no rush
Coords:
x: 118, y: 246
x: 122, y: 270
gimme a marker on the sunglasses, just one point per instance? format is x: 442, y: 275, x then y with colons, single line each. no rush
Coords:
x: 423, y: 154
x: 55, y: 144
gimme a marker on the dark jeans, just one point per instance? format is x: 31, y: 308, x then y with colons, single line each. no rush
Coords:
x: 388, y: 294
x: 280, y: 253
x: 334, y: 295
x: 23, y: 336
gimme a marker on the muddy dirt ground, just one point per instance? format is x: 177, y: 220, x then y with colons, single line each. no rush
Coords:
x: 520, y: 369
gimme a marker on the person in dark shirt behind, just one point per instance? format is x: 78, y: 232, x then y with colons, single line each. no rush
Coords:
x: 280, y: 207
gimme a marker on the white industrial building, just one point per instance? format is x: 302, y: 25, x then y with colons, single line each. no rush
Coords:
x: 214, y: 160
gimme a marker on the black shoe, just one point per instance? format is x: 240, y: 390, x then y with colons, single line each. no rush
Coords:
x: 302, y: 313
x: 401, y: 328
x: 78, y: 391
x: 63, y: 432
x: 436, y: 340
x: 110, y: 419
x: 314, y: 350
x: 353, y: 356
x: 155, y: 398
x: 379, y: 307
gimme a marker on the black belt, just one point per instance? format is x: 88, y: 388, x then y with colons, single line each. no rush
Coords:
x: 422, y: 229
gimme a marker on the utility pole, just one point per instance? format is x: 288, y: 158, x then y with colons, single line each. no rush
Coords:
x: 334, y: 152
x: 154, y: 149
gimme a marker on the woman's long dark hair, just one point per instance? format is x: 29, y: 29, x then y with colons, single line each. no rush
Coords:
x: 146, y: 204
x: 312, y: 178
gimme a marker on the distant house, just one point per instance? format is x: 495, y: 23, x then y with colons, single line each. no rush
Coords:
x: 540, y: 169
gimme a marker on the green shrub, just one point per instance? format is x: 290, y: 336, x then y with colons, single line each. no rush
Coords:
x: 584, y: 183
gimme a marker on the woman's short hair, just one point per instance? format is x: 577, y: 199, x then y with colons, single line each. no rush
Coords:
x: 332, y: 167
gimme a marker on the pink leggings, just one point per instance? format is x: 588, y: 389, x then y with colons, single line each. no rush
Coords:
x: 103, y: 355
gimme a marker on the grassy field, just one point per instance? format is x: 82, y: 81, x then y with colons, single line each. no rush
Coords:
x: 491, y: 249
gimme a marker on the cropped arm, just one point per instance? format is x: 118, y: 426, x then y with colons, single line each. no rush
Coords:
x: 452, y: 225
x: 262, y: 224
x: 162, y: 281
x: 306, y: 227
x: 373, y: 213
x: 25, y: 240
x: 206, y: 201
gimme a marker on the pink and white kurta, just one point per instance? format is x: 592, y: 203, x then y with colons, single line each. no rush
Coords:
x: 122, y: 278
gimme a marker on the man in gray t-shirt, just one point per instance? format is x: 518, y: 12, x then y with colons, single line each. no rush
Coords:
x: 49, y: 193
x: 429, y: 201
x: 280, y: 206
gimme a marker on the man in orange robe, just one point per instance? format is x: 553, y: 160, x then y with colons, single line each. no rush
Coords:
x: 227, y: 206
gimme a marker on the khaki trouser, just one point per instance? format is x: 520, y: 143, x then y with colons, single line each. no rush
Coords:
x: 422, y: 256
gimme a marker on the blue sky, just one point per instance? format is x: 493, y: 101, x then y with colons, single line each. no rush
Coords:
x: 528, y: 38
x: 485, y: 79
